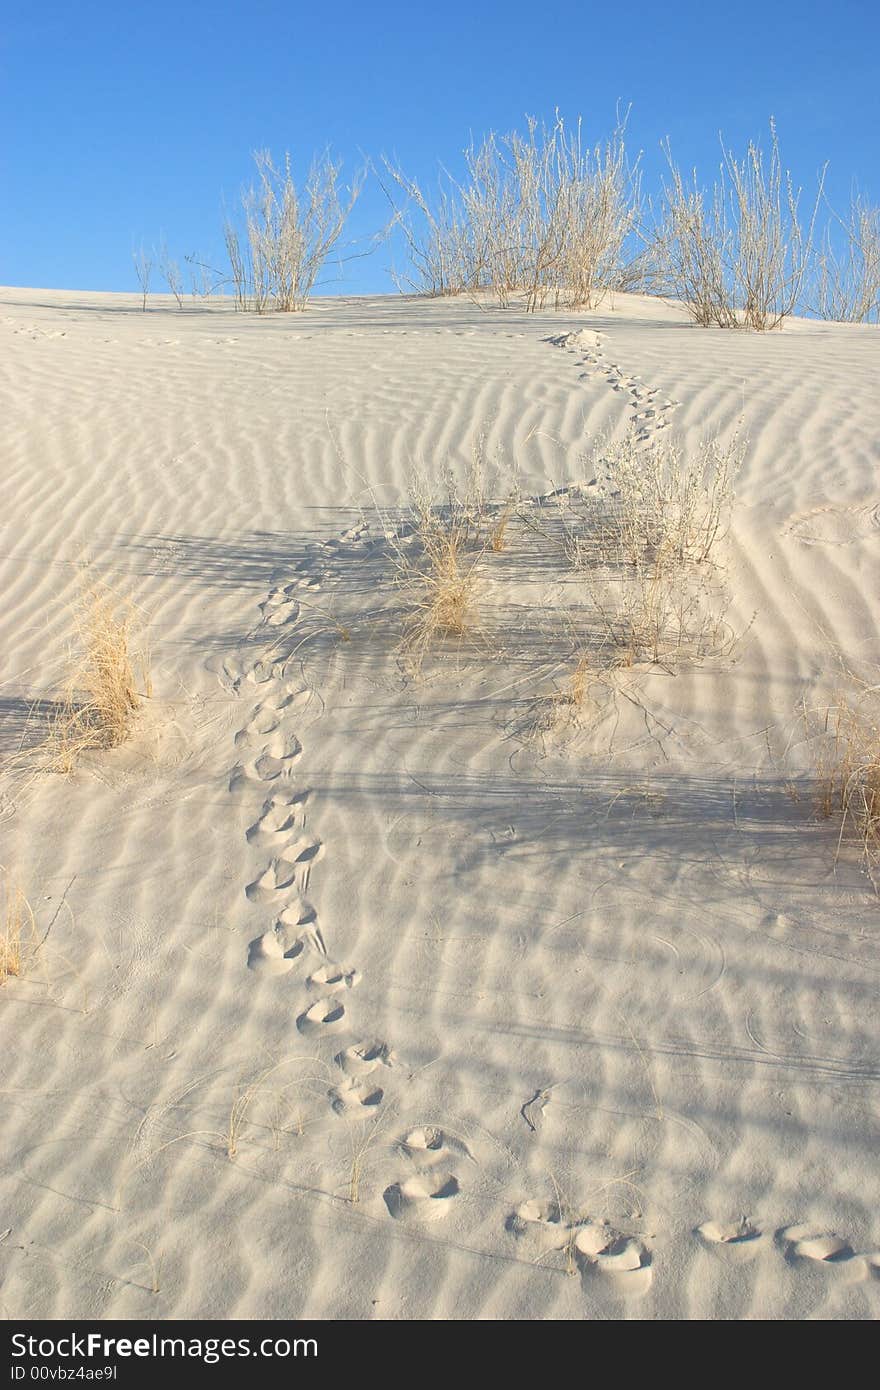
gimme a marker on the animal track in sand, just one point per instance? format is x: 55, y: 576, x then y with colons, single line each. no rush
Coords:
x: 285, y: 870
x: 263, y: 721
x: 333, y: 979
x: 286, y: 699
x: 353, y: 1096
x: 540, y: 1226
x: 836, y: 526
x: 286, y: 612
x: 625, y: 1260
x: 646, y: 413
x: 300, y: 913
x: 806, y: 1242
x: 234, y: 674
x: 266, y: 716
x: 428, y: 1145
x: 363, y: 1058
x: 273, y: 761
x: 738, y: 1232
x: 280, y: 815
x: 271, y: 955
x: 422, y: 1197
x: 321, y: 1016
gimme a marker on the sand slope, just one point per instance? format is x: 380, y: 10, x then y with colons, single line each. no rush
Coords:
x: 586, y: 1023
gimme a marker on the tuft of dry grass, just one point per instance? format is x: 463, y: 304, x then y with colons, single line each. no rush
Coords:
x: 109, y: 683
x: 848, y: 778
x: 438, y: 571
x: 18, y: 931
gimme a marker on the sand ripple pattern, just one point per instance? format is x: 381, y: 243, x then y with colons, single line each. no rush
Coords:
x: 362, y: 1007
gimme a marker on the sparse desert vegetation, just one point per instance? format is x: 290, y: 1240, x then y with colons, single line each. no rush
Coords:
x: 108, y: 682
x: 18, y: 929
x: 543, y: 217
x: 846, y: 743
x: 539, y: 213
x: 846, y: 280
x: 742, y: 251
x: 498, y: 911
x: 635, y: 545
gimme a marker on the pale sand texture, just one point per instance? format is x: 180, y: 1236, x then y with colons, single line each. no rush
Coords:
x: 521, y: 985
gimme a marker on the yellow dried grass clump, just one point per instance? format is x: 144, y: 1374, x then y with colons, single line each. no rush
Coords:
x: 440, y: 577
x: 848, y: 777
x: 18, y: 931
x: 108, y: 685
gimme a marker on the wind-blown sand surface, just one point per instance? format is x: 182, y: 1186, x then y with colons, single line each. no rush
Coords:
x: 500, y: 985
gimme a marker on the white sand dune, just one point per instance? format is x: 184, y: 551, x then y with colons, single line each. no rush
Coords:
x: 586, y: 1024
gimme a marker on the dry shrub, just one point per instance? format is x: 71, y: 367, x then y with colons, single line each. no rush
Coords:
x: 108, y: 684
x: 643, y: 534
x: 661, y: 613
x: 650, y: 502
x: 18, y: 931
x: 540, y: 214
x: 693, y: 249
x: 439, y: 240
x: 739, y: 253
x: 438, y: 570
x: 288, y: 232
x: 847, y: 287
x: 848, y: 775
x: 440, y: 547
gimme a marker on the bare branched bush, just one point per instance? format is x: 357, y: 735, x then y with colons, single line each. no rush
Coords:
x: 660, y: 613
x: 539, y: 214
x: 643, y: 534
x: 441, y: 252
x: 288, y: 233
x: 741, y: 253
x: 108, y: 684
x: 143, y: 269
x: 693, y: 248
x: 648, y: 500
x: 170, y: 271
x: 847, y: 287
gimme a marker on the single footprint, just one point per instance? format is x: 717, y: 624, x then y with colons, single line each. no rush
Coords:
x: 270, y: 954
x: 352, y: 1097
x: 622, y: 1259
x: 805, y: 1242
x: 333, y: 978
x: 262, y: 722
x: 422, y: 1197
x: 281, y: 872
x: 280, y: 815
x: 261, y: 672
x: 323, y: 1015
x: 728, y: 1232
x: 264, y: 887
x: 286, y: 612
x: 540, y: 1226
x: 297, y: 859
x: 363, y: 1058
x: 428, y: 1145
x: 287, y: 698
x: 277, y: 755
x: 275, y: 760
x: 275, y: 597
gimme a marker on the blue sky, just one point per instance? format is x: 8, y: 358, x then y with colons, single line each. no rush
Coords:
x: 120, y: 124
